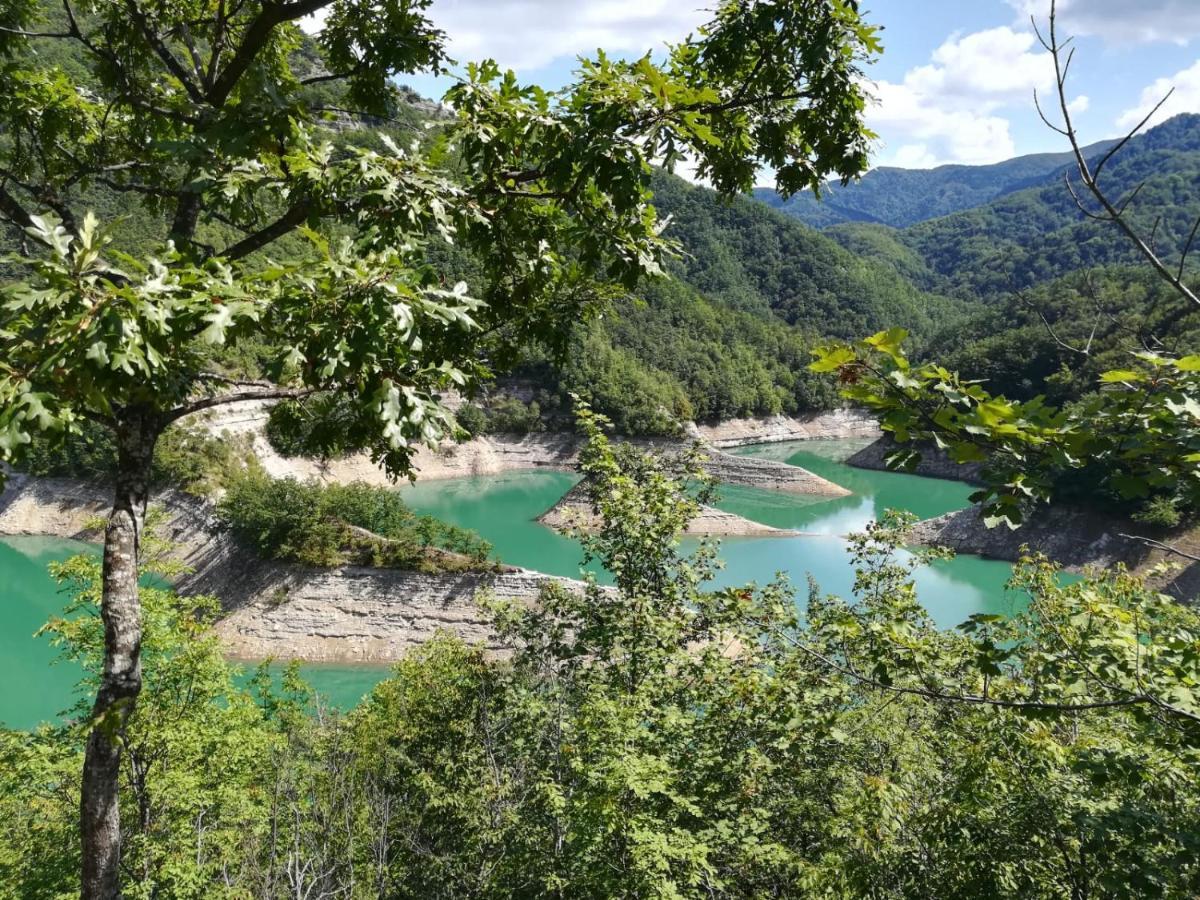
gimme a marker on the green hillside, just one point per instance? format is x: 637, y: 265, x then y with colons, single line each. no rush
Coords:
x: 1037, y: 234
x: 1045, y: 282
x: 903, y: 197
x: 753, y: 258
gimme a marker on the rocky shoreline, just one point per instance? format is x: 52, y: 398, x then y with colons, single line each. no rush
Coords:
x: 935, y: 463
x: 360, y: 614
x: 347, y: 614
x: 574, y: 512
x: 367, y: 615
x: 834, y: 424
x: 497, y: 454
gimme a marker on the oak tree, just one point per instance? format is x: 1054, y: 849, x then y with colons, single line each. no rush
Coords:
x: 214, y: 115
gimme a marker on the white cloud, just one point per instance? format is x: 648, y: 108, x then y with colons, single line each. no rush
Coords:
x: 914, y: 156
x: 1122, y: 21
x: 1080, y: 104
x: 526, y: 34
x: 1186, y: 98
x: 947, y: 111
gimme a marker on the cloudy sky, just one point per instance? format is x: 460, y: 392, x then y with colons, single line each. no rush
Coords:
x: 955, y: 82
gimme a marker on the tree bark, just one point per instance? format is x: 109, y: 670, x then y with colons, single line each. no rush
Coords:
x: 121, y: 681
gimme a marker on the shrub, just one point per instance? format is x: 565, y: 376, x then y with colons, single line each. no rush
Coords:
x: 333, y: 525
x: 472, y: 420
x: 190, y: 459
x: 512, y: 415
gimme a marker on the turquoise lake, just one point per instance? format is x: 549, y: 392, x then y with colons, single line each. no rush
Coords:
x: 503, y: 509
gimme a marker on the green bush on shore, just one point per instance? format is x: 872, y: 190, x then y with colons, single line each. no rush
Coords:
x: 342, y: 524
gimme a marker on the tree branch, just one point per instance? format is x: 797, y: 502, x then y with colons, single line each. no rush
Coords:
x: 1089, y: 177
x: 257, y: 33
x: 12, y: 209
x: 1159, y: 545
x: 289, y: 221
x: 21, y: 32
x: 174, y: 66
x: 274, y: 393
x: 1132, y: 699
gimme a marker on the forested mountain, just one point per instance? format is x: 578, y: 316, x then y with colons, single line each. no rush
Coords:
x: 729, y: 334
x: 756, y: 259
x: 901, y: 197
x: 1046, y: 283
x: 1036, y: 234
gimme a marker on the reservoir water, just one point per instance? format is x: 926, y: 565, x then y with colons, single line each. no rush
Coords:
x: 503, y: 509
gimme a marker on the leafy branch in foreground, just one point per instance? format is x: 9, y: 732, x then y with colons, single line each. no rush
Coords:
x: 1135, y: 439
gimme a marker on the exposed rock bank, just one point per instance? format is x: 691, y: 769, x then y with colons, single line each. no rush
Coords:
x: 495, y: 454
x: 349, y: 614
x: 935, y: 463
x: 488, y: 455
x: 574, y: 511
x: 1075, y: 538
x: 835, y: 424
x: 1078, y: 540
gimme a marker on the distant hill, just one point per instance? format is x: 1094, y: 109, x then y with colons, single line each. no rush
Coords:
x: 1033, y: 235
x: 1044, y: 278
x: 903, y: 197
x: 752, y: 258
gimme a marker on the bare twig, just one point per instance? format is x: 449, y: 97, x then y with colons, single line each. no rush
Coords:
x: 1159, y: 545
x: 1090, y: 176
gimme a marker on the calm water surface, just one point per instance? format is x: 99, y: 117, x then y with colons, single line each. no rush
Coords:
x: 502, y: 508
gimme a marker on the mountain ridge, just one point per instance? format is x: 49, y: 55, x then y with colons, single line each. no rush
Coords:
x: 901, y: 197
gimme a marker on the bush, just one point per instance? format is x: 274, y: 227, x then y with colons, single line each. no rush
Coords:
x: 472, y: 420
x: 334, y: 525
x: 190, y: 459
x: 512, y: 415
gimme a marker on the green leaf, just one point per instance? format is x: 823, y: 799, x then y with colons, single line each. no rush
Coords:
x: 832, y: 360
x: 888, y: 342
x: 1122, y: 375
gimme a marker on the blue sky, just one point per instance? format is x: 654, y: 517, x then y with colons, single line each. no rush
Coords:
x: 955, y: 83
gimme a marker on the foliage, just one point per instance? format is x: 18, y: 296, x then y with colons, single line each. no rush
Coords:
x: 1058, y: 338
x: 340, y: 524
x: 1136, y: 439
x: 658, y: 739
x: 505, y: 413
x: 189, y: 458
x: 727, y: 363
x: 192, y: 784
x: 204, y: 112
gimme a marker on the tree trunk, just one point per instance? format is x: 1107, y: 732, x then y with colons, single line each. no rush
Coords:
x: 121, y: 682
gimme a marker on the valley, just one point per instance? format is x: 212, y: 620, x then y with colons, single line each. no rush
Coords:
x: 505, y: 495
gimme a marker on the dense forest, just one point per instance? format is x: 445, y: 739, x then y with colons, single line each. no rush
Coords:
x: 901, y: 197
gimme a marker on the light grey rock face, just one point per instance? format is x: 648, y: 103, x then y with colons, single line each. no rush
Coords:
x: 768, y: 474
x: 53, y: 506
x: 934, y: 462
x: 354, y: 614
x: 835, y: 424
x: 574, y: 512
x: 1075, y: 538
x: 494, y: 454
x: 357, y: 614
